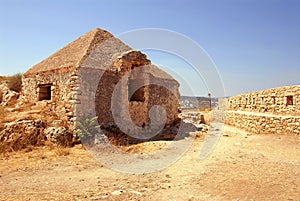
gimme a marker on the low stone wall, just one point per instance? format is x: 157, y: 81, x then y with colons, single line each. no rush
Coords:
x: 264, y: 123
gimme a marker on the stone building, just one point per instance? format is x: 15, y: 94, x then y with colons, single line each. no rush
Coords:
x: 83, y: 77
x: 274, y: 110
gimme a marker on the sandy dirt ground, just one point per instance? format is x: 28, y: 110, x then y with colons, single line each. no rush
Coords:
x: 242, y: 166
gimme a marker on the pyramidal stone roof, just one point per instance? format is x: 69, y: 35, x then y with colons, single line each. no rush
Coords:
x: 72, y: 54
x: 95, y: 49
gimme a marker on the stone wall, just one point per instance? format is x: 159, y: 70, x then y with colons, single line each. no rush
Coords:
x: 282, y: 100
x: 274, y: 111
x: 264, y: 123
x: 62, y: 94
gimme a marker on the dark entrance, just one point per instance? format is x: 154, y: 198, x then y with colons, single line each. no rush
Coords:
x: 44, y: 92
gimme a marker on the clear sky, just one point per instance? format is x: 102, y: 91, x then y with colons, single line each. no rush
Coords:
x: 255, y: 44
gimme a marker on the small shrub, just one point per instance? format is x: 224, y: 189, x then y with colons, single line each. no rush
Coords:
x: 15, y: 82
x: 87, y: 127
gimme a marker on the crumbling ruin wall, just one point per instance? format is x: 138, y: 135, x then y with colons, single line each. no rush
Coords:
x: 131, y: 73
x: 103, y: 98
x: 274, y: 111
x: 166, y: 95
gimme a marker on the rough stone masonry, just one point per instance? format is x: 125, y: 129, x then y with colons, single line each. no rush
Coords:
x: 272, y: 111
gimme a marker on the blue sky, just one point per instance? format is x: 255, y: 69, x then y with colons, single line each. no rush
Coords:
x: 254, y: 44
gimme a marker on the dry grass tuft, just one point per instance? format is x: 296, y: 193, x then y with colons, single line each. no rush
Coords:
x: 62, y: 151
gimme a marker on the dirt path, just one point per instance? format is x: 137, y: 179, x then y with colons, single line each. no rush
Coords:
x: 241, y: 167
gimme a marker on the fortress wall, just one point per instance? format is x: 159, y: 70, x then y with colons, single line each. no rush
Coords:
x: 264, y: 124
x: 272, y: 111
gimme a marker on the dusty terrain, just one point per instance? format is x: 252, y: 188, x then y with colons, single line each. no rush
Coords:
x: 241, y: 167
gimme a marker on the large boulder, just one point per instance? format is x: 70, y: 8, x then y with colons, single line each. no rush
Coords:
x: 20, y: 134
x: 8, y: 96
